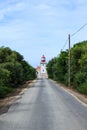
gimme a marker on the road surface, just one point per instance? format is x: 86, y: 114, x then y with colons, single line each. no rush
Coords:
x: 45, y: 106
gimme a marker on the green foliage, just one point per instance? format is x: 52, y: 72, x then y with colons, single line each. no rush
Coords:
x: 4, y: 75
x: 28, y: 71
x: 83, y: 88
x: 58, y: 70
x: 4, y: 91
x: 4, y: 53
x: 79, y: 63
x: 79, y: 78
x: 14, y: 70
x: 16, y: 73
x: 62, y: 63
x: 50, y: 68
x: 57, y: 67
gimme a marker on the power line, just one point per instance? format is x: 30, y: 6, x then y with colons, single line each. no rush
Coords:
x: 74, y: 34
x: 69, y: 60
x: 79, y: 30
x: 65, y: 44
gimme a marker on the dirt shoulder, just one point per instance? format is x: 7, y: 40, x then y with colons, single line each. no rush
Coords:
x: 80, y: 97
x: 9, y: 100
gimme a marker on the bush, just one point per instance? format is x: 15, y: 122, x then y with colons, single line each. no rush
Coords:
x: 83, y: 88
x: 79, y: 78
x: 4, y: 76
x: 4, y: 91
x: 14, y: 70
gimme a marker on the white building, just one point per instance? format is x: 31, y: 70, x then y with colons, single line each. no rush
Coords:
x: 43, y: 67
x: 41, y: 70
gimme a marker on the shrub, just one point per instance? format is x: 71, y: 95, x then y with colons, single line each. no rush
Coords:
x: 79, y: 79
x: 83, y: 88
x: 4, y: 91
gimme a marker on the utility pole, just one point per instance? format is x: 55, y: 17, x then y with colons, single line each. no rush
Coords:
x: 69, y: 63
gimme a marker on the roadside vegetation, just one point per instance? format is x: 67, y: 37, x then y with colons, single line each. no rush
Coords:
x: 14, y: 71
x: 57, y: 67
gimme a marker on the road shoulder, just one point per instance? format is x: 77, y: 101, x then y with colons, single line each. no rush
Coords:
x: 10, y: 99
x: 80, y: 97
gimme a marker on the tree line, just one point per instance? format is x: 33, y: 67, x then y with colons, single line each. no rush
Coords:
x: 57, y: 67
x: 14, y: 70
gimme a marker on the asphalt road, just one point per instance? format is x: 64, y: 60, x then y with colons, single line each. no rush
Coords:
x: 45, y: 106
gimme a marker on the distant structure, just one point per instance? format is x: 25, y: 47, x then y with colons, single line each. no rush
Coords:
x: 38, y: 71
x: 41, y: 70
x: 43, y: 67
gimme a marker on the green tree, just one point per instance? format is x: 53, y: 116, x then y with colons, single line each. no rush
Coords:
x: 14, y: 70
x: 59, y: 70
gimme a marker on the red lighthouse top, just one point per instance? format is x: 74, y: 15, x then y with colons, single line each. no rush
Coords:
x: 43, y: 59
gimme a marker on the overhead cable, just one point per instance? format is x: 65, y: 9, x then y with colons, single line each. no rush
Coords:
x: 65, y: 44
x: 79, y: 30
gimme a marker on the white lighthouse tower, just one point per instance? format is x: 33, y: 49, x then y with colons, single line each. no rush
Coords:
x: 43, y: 67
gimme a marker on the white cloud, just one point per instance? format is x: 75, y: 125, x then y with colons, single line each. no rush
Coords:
x: 6, y: 10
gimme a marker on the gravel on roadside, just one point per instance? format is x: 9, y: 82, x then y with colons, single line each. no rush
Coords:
x: 10, y: 99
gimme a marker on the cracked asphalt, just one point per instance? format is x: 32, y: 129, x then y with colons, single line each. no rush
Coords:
x: 45, y: 106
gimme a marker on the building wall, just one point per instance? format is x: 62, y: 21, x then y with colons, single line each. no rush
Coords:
x: 43, y: 68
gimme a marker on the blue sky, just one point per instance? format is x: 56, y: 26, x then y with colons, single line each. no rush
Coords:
x: 37, y: 27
